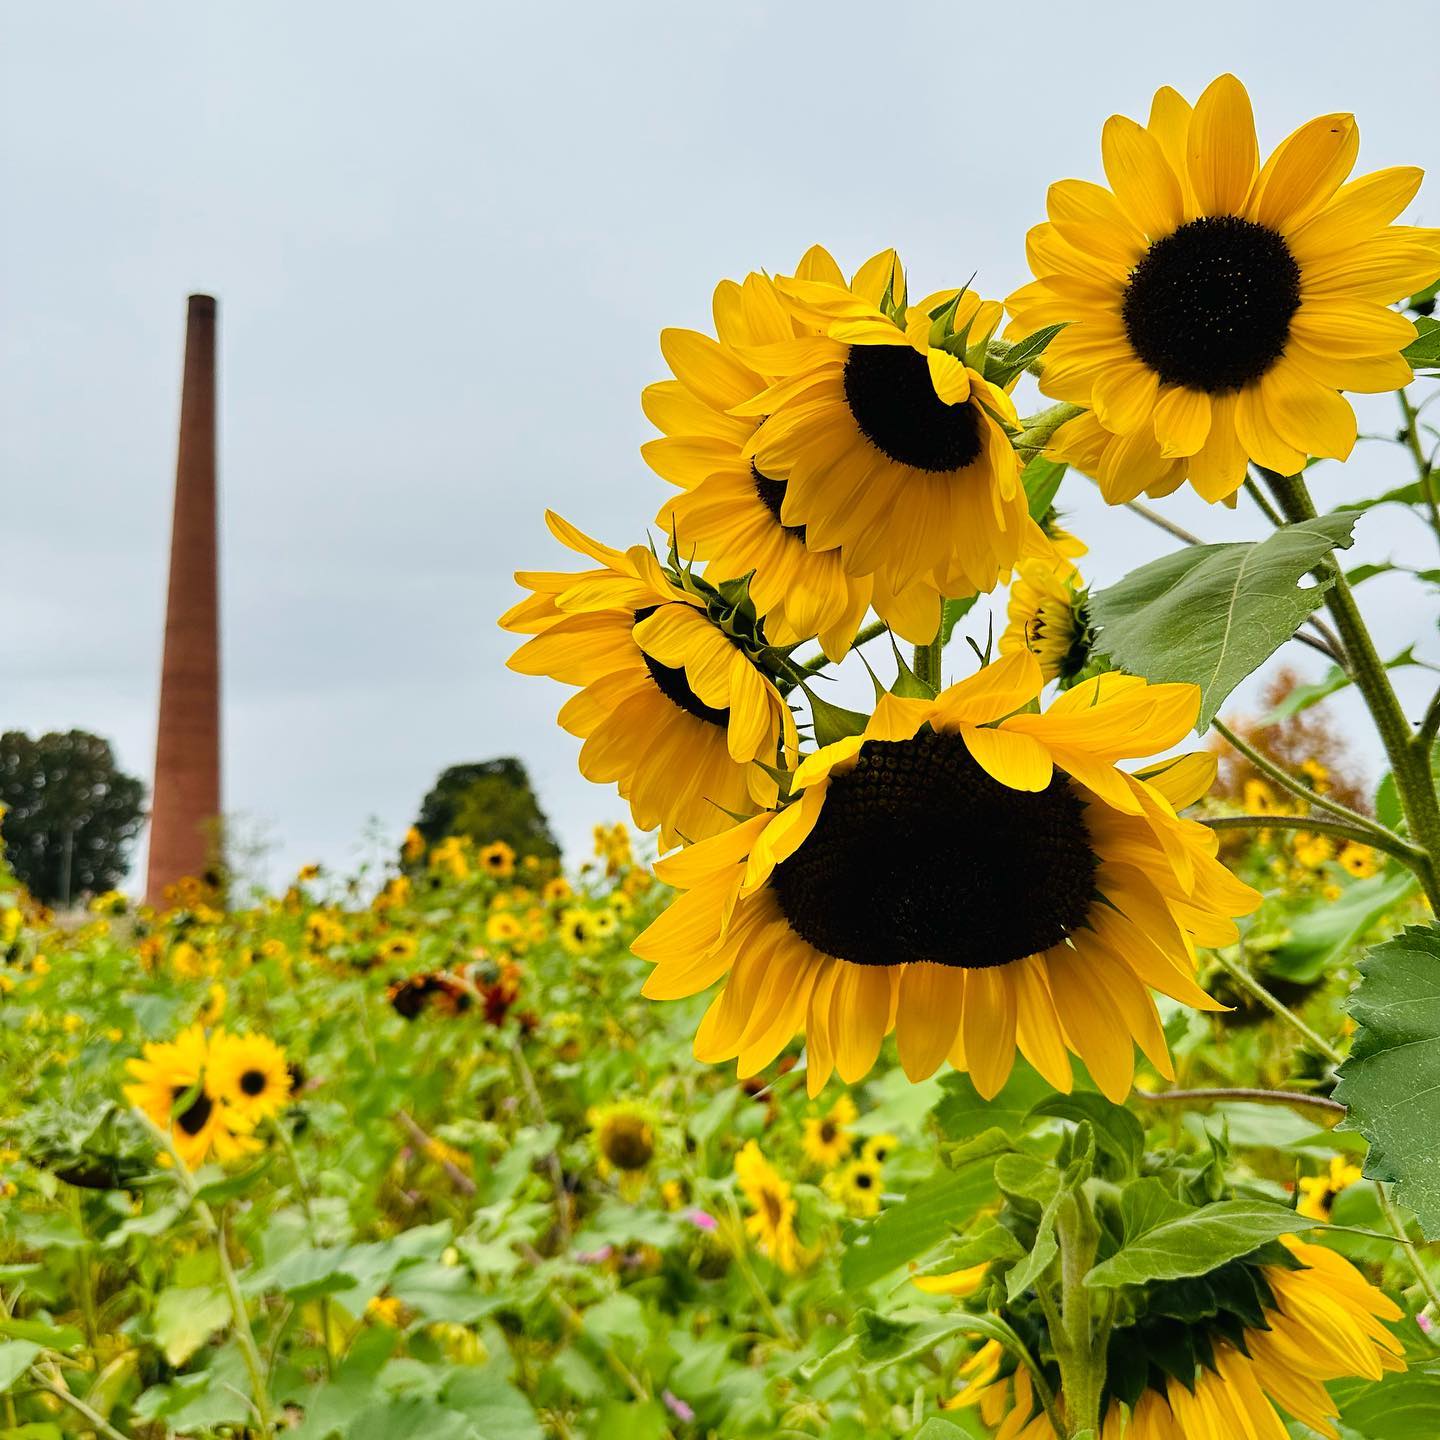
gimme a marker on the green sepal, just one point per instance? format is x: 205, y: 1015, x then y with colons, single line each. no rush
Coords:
x: 1000, y: 367
x: 833, y: 722
x: 908, y: 685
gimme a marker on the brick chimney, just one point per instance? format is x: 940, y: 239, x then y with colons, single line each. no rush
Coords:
x: 185, y: 805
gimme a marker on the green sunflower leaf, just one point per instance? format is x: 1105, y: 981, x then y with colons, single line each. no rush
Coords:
x: 1210, y: 615
x: 1117, y: 1132
x: 1423, y: 352
x: 1391, y: 1082
x: 930, y: 1213
x: 1165, y: 1240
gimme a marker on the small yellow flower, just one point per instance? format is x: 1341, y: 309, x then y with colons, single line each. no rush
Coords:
x: 1260, y: 799
x: 413, y: 847
x: 772, y: 1223
x: 449, y: 856
x: 557, y: 890
x: 857, y: 1186
x: 575, y: 931
x: 1360, y: 860
x: 398, y: 948
x: 826, y: 1139
x: 1311, y: 850
x: 308, y: 872
x: 878, y: 1148
x: 502, y: 928
x: 1316, y: 774
x: 497, y: 860
x: 385, y: 1310
x: 214, y: 1006
x: 249, y: 1074
x: 1318, y: 1192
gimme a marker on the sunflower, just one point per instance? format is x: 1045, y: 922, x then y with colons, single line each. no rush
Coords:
x: 772, y: 1222
x: 1360, y: 860
x: 1282, y: 1329
x: 729, y: 514
x: 879, y: 1148
x: 502, y: 928
x: 1215, y: 308
x: 1318, y: 1192
x: 857, y: 1186
x: 398, y: 948
x: 892, y: 447
x: 969, y: 874
x: 826, y: 1139
x: 174, y: 1088
x: 576, y: 932
x: 249, y: 1074
x: 497, y: 859
x: 672, y: 709
x: 623, y: 1134
x: 1048, y: 617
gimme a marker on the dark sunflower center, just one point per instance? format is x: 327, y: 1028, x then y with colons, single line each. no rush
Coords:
x: 772, y: 496
x: 1209, y: 307
x: 193, y: 1117
x: 252, y: 1082
x: 672, y: 684
x: 827, y: 1131
x: 864, y: 1180
x: 890, y: 394
x: 628, y: 1145
x: 919, y: 855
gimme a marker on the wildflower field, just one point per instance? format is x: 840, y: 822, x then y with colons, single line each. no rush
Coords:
x: 1033, y: 1052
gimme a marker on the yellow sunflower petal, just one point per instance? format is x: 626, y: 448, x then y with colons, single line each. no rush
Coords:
x: 1222, y: 154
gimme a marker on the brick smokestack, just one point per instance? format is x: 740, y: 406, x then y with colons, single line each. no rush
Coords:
x: 186, y: 802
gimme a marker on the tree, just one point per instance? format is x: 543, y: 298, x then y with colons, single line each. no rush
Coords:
x: 490, y: 800
x: 71, y: 815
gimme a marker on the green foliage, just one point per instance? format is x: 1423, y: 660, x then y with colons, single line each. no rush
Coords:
x: 1391, y: 1082
x: 1210, y: 615
x: 71, y: 814
x: 488, y: 800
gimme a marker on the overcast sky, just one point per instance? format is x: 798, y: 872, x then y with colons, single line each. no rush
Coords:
x: 444, y: 238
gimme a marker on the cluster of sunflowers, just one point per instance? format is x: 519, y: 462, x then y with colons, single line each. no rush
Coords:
x: 206, y: 1093
x: 967, y: 866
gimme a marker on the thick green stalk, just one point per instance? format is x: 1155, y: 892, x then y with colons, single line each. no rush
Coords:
x: 927, y: 664
x: 1081, y: 1350
x: 1409, y: 763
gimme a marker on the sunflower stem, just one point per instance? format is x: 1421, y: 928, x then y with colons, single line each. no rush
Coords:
x: 1213, y: 1094
x: 1409, y: 761
x: 927, y: 663
x: 1247, y: 982
x: 1397, y: 1225
x: 1082, y: 1346
x: 1037, y: 431
x: 1298, y: 788
x: 1323, y: 825
x: 865, y: 634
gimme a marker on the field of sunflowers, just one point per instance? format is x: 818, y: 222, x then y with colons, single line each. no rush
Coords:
x: 428, y: 1163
